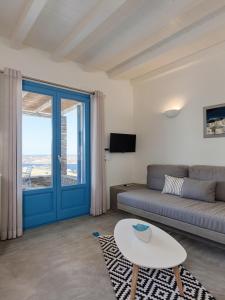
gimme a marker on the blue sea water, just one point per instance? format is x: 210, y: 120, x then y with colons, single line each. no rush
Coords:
x: 72, y: 167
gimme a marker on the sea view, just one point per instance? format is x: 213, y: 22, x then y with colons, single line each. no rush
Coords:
x: 69, y: 166
x: 42, y: 164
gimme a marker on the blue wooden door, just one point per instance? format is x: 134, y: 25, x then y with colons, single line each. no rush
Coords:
x: 56, y: 154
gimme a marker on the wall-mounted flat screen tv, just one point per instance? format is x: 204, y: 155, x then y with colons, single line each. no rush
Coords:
x: 122, y: 143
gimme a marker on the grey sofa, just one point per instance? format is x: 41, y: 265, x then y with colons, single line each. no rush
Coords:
x: 197, y: 217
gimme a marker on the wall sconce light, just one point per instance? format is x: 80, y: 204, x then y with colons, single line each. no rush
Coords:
x: 172, y: 113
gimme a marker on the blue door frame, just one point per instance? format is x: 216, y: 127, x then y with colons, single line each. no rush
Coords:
x: 46, y: 205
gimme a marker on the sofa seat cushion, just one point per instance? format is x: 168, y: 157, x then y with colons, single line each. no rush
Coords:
x: 203, y: 214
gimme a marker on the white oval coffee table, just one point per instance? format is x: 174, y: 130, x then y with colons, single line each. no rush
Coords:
x: 162, y: 252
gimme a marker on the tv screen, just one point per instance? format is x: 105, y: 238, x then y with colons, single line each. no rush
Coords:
x: 122, y: 142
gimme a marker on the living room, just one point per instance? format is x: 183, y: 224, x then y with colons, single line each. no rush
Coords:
x: 77, y: 230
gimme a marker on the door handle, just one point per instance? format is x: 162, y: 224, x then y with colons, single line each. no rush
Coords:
x: 60, y: 159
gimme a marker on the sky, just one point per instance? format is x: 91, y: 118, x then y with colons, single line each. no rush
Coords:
x: 37, y: 134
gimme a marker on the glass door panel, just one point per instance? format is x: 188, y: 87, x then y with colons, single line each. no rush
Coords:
x: 74, y: 160
x: 72, y: 143
x: 36, y: 140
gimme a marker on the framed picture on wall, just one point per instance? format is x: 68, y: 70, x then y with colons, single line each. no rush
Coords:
x: 214, y: 121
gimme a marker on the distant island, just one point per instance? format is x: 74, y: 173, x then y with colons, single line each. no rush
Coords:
x: 40, y: 165
x: 45, y: 159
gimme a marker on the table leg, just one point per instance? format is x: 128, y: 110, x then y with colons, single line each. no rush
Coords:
x: 134, y: 282
x: 178, y: 280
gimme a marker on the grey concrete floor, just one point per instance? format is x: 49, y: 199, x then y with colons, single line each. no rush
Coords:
x: 63, y: 261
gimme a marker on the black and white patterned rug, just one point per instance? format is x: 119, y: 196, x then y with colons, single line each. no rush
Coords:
x: 152, y: 284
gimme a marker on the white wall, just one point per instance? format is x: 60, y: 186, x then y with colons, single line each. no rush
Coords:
x: 118, y: 101
x: 179, y: 140
x: 159, y: 140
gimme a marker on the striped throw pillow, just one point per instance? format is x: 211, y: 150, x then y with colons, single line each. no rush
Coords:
x: 173, y: 185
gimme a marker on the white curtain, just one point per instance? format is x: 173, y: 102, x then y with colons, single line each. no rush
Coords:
x: 10, y: 149
x: 98, y: 180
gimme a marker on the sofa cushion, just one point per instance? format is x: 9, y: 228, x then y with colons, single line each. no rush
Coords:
x: 156, y: 174
x: 203, y: 214
x: 210, y: 173
x: 203, y: 190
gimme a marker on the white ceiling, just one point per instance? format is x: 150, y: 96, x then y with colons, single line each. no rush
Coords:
x: 125, y: 38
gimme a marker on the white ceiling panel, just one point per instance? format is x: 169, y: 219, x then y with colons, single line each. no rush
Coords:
x: 182, y: 47
x: 56, y: 21
x: 129, y: 36
x: 9, y: 14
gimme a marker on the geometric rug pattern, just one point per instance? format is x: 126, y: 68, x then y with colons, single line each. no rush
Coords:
x: 152, y: 284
